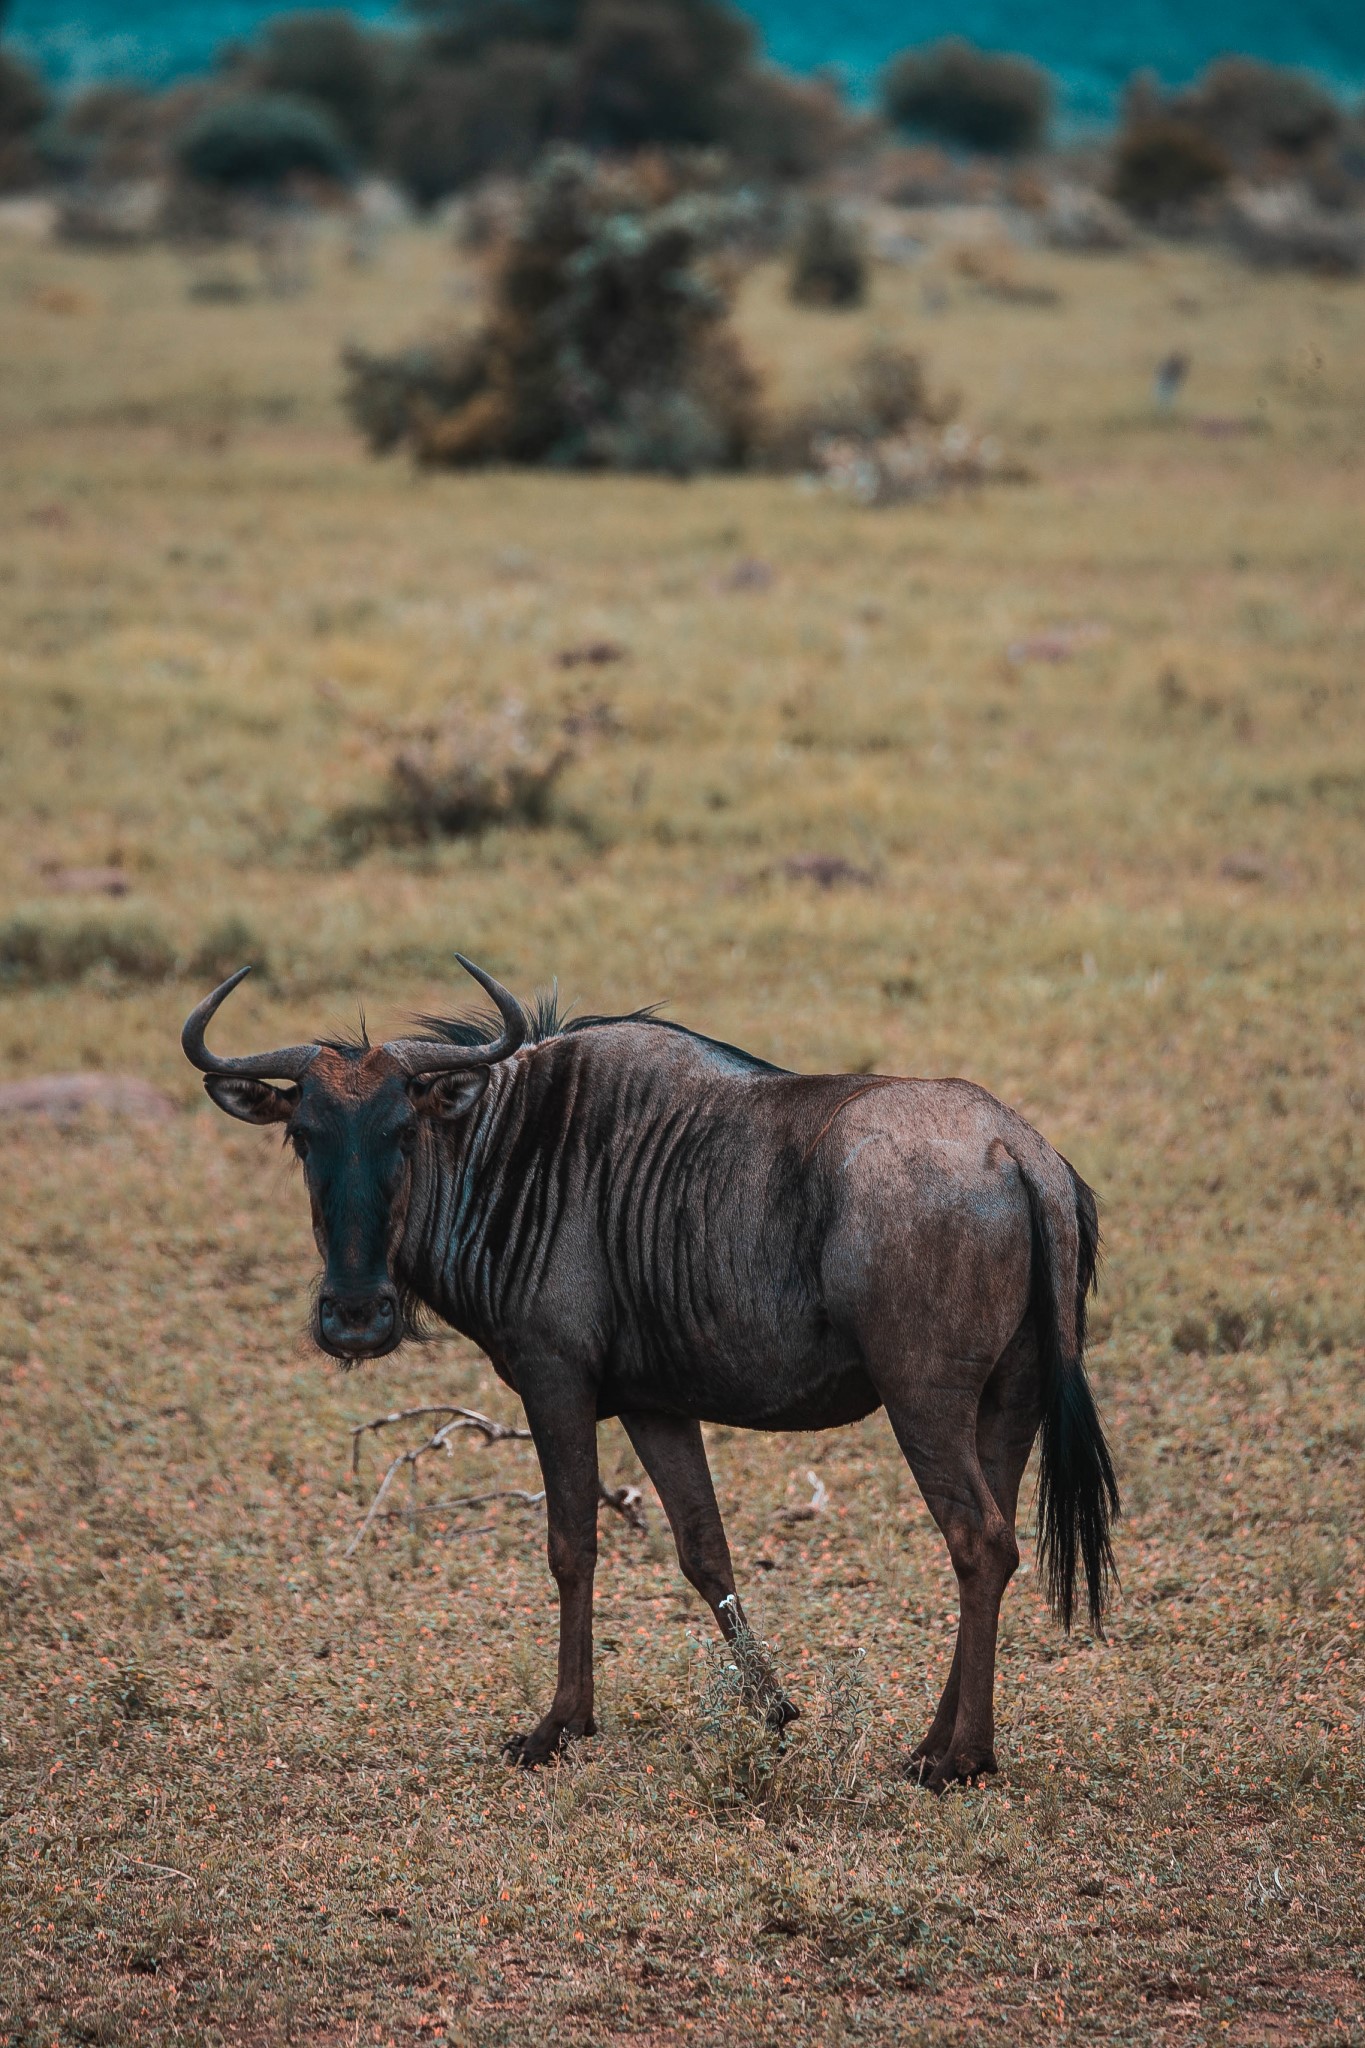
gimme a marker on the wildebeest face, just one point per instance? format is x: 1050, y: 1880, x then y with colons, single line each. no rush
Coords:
x: 354, y: 1115
x: 355, y: 1132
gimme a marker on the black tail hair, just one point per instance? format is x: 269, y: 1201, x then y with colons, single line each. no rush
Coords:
x: 1078, y: 1496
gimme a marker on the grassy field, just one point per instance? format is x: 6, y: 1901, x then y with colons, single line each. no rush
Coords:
x: 252, y: 1790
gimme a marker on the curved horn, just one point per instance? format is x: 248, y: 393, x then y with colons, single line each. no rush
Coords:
x: 288, y: 1064
x: 430, y: 1056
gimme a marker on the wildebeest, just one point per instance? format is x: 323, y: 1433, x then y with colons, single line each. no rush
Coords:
x: 634, y: 1220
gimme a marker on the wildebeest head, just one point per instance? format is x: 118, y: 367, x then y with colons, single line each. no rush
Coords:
x: 353, y: 1114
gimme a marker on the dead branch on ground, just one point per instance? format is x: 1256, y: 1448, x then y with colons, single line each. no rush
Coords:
x: 626, y: 1501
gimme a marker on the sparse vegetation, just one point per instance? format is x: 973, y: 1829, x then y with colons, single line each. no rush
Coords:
x: 978, y: 99
x: 1103, y: 761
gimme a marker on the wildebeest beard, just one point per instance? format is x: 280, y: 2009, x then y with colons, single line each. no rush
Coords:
x: 635, y: 1220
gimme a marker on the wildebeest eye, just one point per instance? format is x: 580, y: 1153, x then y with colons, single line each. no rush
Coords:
x: 299, y: 1141
x: 407, y: 1138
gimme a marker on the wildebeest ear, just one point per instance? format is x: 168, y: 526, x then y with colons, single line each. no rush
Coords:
x: 255, y: 1102
x: 447, y: 1094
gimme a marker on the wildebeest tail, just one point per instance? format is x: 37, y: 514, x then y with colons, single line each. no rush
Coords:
x: 1078, y: 1496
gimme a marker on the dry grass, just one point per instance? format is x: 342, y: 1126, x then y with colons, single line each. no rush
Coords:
x: 252, y: 1792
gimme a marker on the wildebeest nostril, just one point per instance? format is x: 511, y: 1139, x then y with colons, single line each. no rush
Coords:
x: 358, y: 1324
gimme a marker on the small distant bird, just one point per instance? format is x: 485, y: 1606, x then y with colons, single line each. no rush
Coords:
x: 1171, y: 373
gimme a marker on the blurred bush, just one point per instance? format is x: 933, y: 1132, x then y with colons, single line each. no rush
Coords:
x: 332, y: 61
x: 650, y: 71
x: 829, y: 261
x: 1162, y: 165
x: 607, y: 344
x: 979, y: 99
x: 23, y: 104
x: 1248, y: 109
x: 261, y: 142
x: 454, y: 124
x: 775, y: 126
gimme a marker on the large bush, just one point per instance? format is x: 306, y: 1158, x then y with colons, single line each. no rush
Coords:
x: 980, y: 99
x: 607, y: 345
x: 259, y: 142
x: 330, y: 60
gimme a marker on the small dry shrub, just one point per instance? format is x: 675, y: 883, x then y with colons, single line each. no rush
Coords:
x: 829, y: 262
x: 458, y: 777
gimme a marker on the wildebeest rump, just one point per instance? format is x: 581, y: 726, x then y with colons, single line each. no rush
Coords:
x: 634, y: 1220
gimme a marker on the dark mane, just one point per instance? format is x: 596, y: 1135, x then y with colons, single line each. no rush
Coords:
x: 350, y: 1044
x: 546, y: 1017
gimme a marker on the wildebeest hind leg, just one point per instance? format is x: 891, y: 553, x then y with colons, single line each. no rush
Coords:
x: 564, y: 1427
x: 674, y: 1455
x: 936, y: 1429
x: 1006, y: 1424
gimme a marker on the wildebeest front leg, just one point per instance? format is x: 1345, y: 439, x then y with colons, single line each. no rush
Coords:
x: 674, y: 1455
x: 564, y: 1428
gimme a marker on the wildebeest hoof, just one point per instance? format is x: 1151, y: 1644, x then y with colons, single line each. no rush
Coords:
x: 549, y: 1739
x: 959, y: 1767
x: 779, y: 1712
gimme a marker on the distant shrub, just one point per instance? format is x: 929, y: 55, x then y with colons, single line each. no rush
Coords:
x: 606, y: 344
x: 1246, y: 108
x: 491, y: 81
x: 829, y: 262
x: 1162, y: 163
x: 458, y: 30
x: 23, y: 103
x: 37, y: 953
x: 329, y: 59
x: 650, y: 71
x: 456, y: 124
x: 259, y: 142
x: 776, y: 126
x: 980, y: 99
